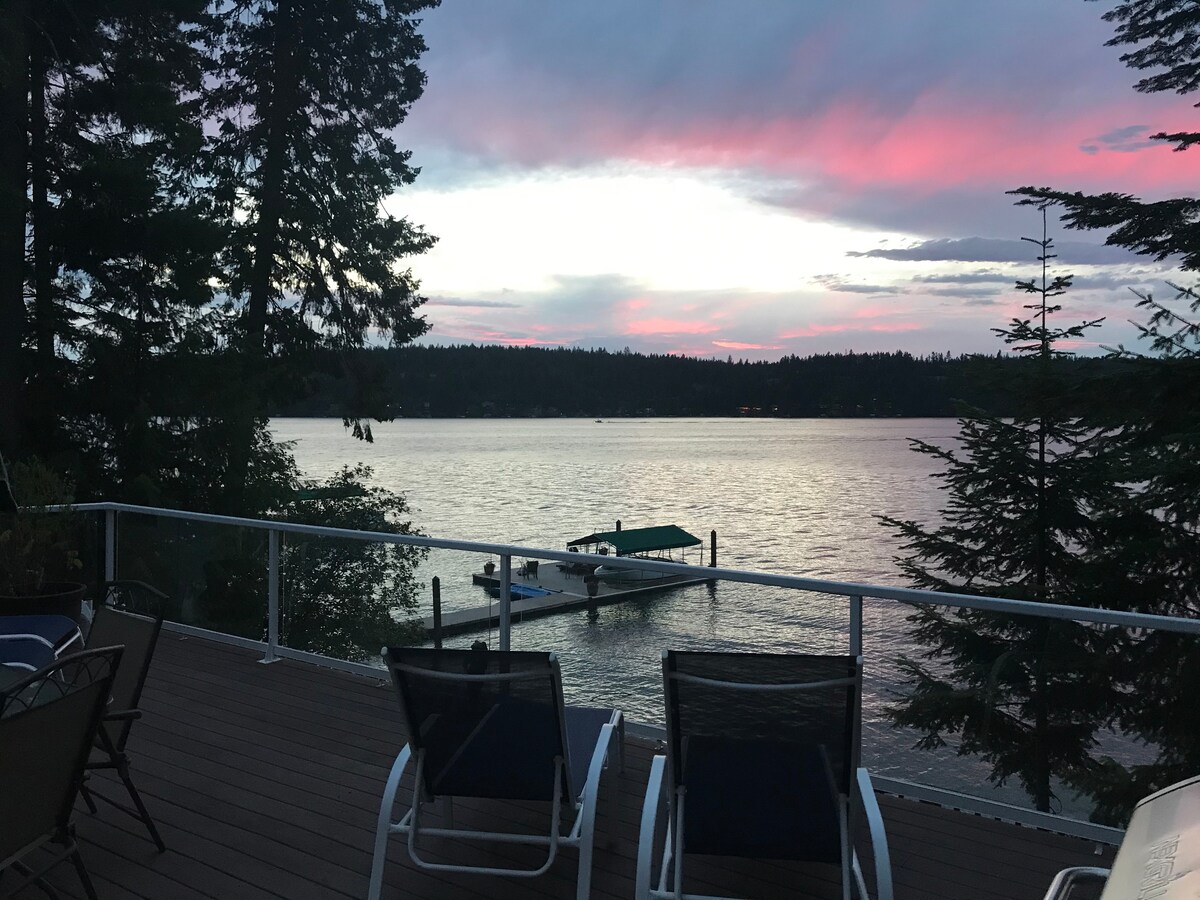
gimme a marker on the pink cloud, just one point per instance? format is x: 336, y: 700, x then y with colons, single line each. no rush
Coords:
x: 739, y: 345
x: 668, y: 326
x: 839, y: 327
x: 938, y: 143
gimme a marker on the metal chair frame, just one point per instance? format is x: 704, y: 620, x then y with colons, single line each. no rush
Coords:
x: 582, y: 802
x: 671, y: 862
x: 34, y: 694
x: 112, y: 750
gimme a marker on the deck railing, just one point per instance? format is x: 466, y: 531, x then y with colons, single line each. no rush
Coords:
x: 266, y: 638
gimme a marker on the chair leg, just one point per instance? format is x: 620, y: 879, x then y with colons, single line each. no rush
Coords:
x: 143, y: 813
x: 383, y: 825
x: 40, y: 883
x: 84, y: 878
x: 87, y: 798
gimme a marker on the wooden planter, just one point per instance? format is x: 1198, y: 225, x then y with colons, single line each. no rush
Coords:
x: 63, y: 598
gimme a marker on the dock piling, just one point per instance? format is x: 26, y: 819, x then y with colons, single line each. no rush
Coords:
x: 437, y: 612
x: 712, y: 548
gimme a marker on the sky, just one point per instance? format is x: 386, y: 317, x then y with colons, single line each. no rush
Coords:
x: 758, y: 178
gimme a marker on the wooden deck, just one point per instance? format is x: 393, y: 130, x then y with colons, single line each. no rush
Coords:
x: 265, y: 782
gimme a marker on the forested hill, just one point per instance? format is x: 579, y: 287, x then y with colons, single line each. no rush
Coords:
x: 485, y: 381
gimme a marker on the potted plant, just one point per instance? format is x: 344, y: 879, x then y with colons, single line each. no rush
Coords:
x: 38, y: 557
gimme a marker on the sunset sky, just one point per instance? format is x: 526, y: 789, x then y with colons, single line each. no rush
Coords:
x: 762, y: 177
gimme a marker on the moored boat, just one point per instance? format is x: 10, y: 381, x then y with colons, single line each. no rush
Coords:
x: 657, y: 543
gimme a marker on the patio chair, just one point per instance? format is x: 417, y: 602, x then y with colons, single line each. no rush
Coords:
x: 60, y: 632
x: 131, y: 614
x: 47, y: 724
x: 761, y: 763
x: 486, y: 723
x: 27, y: 652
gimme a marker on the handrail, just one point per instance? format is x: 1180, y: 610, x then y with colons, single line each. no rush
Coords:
x: 1091, y: 615
x: 853, y: 592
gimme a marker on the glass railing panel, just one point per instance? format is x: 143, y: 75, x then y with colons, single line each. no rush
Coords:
x: 347, y: 598
x: 1044, y: 714
x: 215, y: 575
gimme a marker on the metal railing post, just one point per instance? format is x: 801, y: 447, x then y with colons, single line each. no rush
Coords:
x: 272, y: 597
x: 505, y: 602
x: 856, y: 631
x: 110, y: 545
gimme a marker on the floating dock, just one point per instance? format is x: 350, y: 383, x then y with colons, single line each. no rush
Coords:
x: 567, y: 592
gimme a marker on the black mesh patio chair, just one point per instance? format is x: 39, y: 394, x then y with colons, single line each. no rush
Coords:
x: 48, y: 721
x: 131, y: 614
x: 486, y: 723
x: 761, y: 763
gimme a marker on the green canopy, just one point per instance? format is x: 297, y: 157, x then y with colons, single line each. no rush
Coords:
x: 641, y: 540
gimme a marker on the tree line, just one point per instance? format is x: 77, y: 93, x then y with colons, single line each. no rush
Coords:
x: 493, y: 381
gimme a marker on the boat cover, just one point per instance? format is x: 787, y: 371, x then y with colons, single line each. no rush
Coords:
x: 641, y: 540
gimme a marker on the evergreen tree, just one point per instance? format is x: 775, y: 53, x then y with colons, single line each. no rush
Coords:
x: 1149, y: 554
x: 306, y: 95
x: 1017, y: 691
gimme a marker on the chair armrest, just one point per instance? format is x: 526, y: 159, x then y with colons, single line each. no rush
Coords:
x: 645, y: 857
x: 1064, y: 881
x: 879, y: 845
x: 122, y: 715
x: 37, y: 638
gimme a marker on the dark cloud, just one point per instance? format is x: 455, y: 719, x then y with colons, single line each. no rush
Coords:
x: 839, y: 284
x: 965, y: 278
x: 1129, y: 139
x: 974, y: 295
x: 978, y: 249
x: 471, y: 304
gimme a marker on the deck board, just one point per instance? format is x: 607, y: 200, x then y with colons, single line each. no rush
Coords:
x: 265, y: 783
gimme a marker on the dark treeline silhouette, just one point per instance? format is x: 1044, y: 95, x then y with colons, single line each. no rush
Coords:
x: 493, y: 381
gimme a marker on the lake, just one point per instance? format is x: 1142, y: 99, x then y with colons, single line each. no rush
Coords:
x: 787, y: 496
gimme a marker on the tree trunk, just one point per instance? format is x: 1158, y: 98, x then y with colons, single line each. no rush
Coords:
x: 14, y: 115
x: 271, y: 209
x: 41, y: 418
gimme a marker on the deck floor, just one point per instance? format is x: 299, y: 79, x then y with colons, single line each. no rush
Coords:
x: 265, y: 782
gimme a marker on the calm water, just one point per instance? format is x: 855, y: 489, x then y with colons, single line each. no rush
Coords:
x: 795, y: 497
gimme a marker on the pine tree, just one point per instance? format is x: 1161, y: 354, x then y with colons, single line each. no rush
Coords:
x: 1148, y: 555
x: 306, y: 96
x: 1017, y: 691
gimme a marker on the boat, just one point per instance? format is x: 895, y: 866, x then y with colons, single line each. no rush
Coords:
x: 519, y: 591
x: 657, y: 543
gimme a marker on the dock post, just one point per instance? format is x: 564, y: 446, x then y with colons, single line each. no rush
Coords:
x: 592, y: 583
x: 506, y: 602
x: 437, y: 612
x: 618, y: 525
x: 712, y: 548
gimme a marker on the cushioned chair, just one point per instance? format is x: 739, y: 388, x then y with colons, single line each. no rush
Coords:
x: 27, y: 652
x: 131, y: 614
x: 484, y: 723
x: 48, y: 722
x: 761, y: 763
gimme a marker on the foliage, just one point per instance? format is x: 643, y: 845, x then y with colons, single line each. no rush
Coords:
x: 37, y: 545
x: 1017, y: 691
x: 186, y: 188
x: 347, y: 598
x: 1148, y: 554
x: 492, y: 381
x: 301, y: 163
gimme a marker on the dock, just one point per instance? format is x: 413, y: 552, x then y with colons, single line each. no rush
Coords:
x: 567, y: 593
